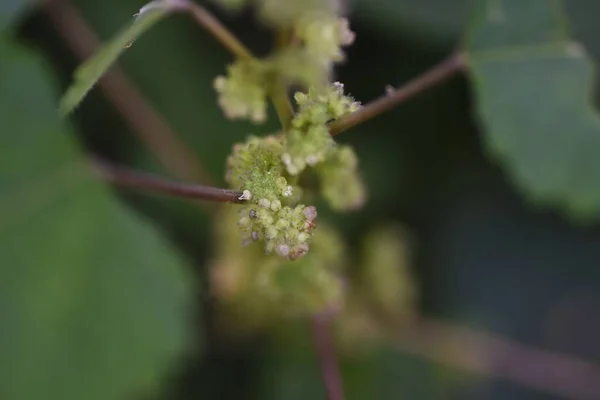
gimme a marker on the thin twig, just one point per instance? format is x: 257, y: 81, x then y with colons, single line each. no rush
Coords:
x: 218, y: 30
x: 279, y: 91
x: 282, y: 105
x: 142, y: 118
x: 429, y: 79
x: 278, y: 94
x: 497, y: 357
x: 124, y: 177
x: 326, y: 354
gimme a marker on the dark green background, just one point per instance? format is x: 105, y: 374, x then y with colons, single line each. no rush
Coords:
x: 484, y: 258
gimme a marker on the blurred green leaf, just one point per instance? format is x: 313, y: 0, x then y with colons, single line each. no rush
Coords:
x: 174, y: 66
x: 11, y: 10
x: 88, y: 74
x: 533, y: 90
x: 93, y: 301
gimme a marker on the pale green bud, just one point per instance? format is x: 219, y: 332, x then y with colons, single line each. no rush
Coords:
x: 276, y: 205
x: 271, y: 232
x: 283, y: 250
x: 244, y: 221
x: 282, y: 224
x: 265, y: 203
x: 242, y: 94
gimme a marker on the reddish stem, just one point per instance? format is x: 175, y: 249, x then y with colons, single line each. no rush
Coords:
x: 394, y: 97
x: 139, y: 180
x: 326, y: 354
x: 143, y: 120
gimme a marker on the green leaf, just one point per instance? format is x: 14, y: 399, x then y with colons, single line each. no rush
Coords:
x: 11, y: 10
x: 93, y: 301
x: 88, y: 74
x: 171, y: 58
x: 533, y: 86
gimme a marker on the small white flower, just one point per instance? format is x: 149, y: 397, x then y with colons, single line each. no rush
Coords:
x: 246, y: 195
x: 287, y: 192
x: 310, y: 213
x: 283, y: 250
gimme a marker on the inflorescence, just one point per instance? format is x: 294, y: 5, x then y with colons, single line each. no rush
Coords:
x: 287, y: 264
x: 266, y: 169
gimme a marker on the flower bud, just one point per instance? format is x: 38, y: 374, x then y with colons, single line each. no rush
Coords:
x: 264, y: 203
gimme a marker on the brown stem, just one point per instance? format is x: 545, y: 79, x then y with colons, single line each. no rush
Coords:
x: 497, y: 357
x: 141, y: 117
x: 140, y: 180
x: 326, y: 354
x: 429, y: 79
x: 218, y: 30
x: 278, y: 94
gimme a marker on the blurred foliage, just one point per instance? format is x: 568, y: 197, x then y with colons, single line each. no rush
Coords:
x: 10, y: 11
x: 93, y: 301
x: 515, y: 64
x: 91, y: 70
x: 482, y: 256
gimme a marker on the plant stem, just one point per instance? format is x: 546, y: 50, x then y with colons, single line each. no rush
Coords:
x: 279, y: 92
x: 429, y: 79
x: 218, y: 30
x: 142, y: 118
x: 282, y: 105
x: 497, y: 357
x: 121, y: 176
x: 326, y: 354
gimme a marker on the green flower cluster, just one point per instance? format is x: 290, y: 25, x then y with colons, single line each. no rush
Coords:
x: 270, y: 214
x: 324, y: 35
x: 266, y: 168
x: 381, y: 294
x: 286, y: 230
x: 255, y: 288
x: 317, y: 36
x: 314, y: 282
x: 242, y: 94
x: 388, y: 286
x: 308, y: 142
x: 341, y: 184
x: 274, y: 275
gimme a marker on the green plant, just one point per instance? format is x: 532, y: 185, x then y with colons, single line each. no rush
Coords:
x: 270, y: 172
x: 273, y: 258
